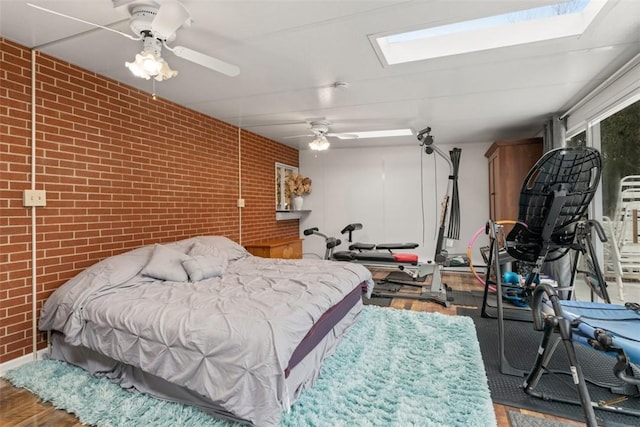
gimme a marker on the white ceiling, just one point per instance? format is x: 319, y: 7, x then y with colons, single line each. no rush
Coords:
x: 290, y: 53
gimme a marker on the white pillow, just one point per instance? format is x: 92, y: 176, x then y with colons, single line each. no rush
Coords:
x: 202, y: 267
x: 206, y: 261
x: 166, y: 264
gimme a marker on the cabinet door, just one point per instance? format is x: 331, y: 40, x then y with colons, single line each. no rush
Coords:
x: 509, y: 163
x: 282, y: 251
x: 492, y: 188
x: 288, y: 251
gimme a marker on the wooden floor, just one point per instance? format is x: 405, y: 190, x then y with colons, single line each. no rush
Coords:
x: 20, y: 408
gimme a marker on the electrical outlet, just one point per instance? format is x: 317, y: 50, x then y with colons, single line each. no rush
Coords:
x: 241, y: 203
x: 34, y: 198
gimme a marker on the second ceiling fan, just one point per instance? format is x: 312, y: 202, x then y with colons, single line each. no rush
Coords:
x: 320, y: 131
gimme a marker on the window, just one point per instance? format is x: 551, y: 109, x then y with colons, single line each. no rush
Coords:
x: 611, y: 117
x: 579, y: 140
x: 561, y: 19
x: 619, y: 136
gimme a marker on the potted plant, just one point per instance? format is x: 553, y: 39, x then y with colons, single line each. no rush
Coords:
x: 295, y: 187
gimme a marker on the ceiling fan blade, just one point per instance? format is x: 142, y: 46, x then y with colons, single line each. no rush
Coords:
x: 298, y: 136
x: 129, y: 36
x: 344, y: 135
x: 206, y: 61
x: 171, y: 16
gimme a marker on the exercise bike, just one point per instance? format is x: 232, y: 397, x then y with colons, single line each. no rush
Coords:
x: 411, y: 271
x: 330, y: 242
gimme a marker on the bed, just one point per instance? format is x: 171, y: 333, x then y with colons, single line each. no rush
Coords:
x: 201, y: 321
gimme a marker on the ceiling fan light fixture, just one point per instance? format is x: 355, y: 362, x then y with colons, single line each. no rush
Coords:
x: 166, y: 72
x: 320, y: 143
x: 149, y: 64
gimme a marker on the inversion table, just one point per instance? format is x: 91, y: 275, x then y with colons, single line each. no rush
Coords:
x: 551, y: 222
x: 610, y: 328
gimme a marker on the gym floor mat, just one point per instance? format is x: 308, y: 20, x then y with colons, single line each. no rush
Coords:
x: 521, y: 344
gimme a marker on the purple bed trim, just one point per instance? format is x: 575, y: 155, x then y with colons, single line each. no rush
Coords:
x: 322, y: 327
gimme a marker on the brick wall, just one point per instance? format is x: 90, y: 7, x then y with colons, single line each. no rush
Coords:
x: 120, y: 171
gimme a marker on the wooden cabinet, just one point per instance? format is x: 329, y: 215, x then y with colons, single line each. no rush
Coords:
x: 509, y: 164
x: 288, y: 248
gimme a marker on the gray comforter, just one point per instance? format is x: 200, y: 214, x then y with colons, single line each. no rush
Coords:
x: 228, y: 337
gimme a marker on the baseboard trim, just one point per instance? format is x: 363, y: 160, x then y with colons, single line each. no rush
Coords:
x: 14, y: 363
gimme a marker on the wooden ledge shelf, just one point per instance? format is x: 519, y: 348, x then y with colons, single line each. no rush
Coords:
x: 286, y: 215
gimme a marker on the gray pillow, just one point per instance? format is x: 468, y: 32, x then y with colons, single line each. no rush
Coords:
x: 199, y: 248
x: 166, y: 264
x: 202, y: 267
x: 228, y: 247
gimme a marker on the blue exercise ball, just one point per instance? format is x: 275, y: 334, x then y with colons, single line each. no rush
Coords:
x: 511, y: 278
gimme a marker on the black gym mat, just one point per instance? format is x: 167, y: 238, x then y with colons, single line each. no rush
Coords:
x: 518, y: 419
x: 401, y: 276
x: 467, y: 299
x: 462, y: 298
x: 521, y: 344
x: 380, y: 302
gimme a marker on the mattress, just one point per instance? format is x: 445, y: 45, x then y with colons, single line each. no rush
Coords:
x: 300, y: 376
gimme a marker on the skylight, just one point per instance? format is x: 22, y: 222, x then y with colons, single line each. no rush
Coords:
x: 563, y: 19
x: 377, y: 133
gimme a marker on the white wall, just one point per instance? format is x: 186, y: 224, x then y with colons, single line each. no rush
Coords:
x: 382, y: 188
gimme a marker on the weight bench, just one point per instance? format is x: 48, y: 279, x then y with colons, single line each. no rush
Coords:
x: 370, y: 253
x: 382, y: 255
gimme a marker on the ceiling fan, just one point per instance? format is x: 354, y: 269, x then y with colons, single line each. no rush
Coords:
x: 320, y: 131
x: 156, y: 25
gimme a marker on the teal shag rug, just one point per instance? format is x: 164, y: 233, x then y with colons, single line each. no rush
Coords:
x: 394, y: 368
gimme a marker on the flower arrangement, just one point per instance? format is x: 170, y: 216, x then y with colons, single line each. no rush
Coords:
x: 297, y: 185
